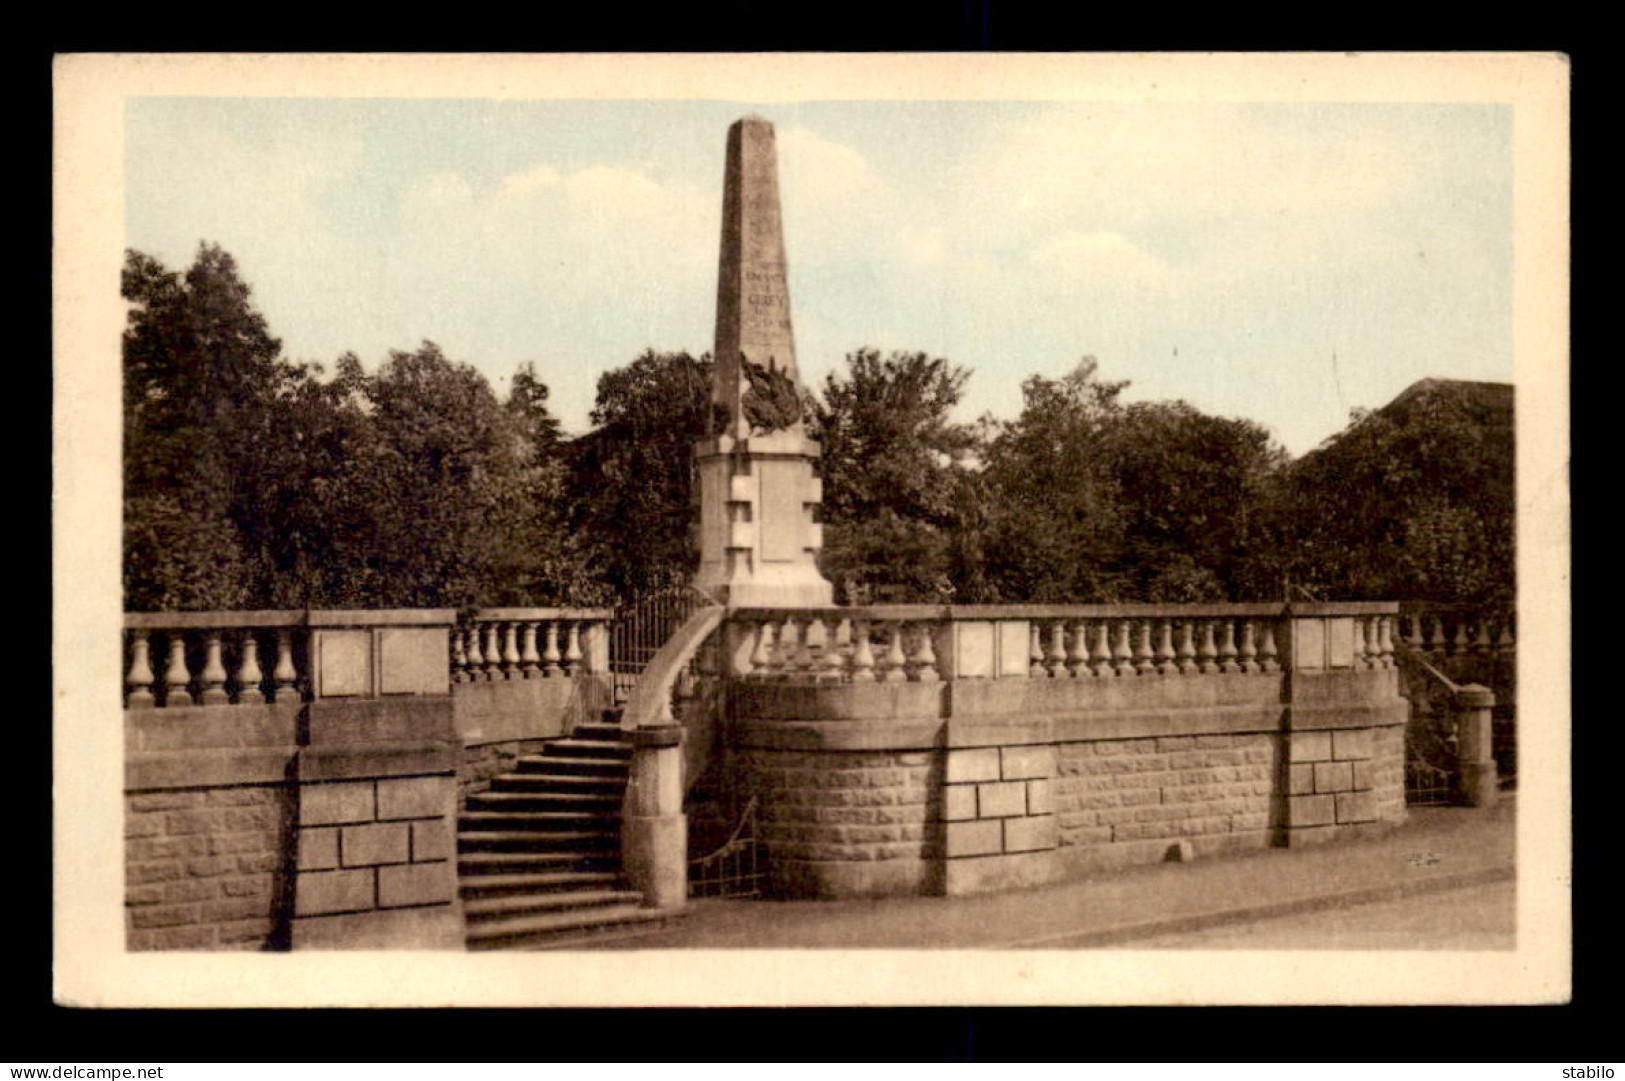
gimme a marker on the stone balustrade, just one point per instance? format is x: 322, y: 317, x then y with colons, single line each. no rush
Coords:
x: 1457, y: 632
x: 256, y: 657
x: 215, y: 658
x: 528, y: 643
x: 926, y: 643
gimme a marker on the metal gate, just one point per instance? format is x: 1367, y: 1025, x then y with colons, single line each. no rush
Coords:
x: 642, y: 627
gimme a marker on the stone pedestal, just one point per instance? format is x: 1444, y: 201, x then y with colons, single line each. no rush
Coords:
x: 1472, y: 704
x: 758, y: 537
x: 654, y: 830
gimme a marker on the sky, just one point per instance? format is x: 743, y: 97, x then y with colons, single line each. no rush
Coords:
x: 1280, y: 262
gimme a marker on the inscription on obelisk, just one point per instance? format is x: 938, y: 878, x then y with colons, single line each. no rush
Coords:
x: 759, y: 534
x: 753, y: 294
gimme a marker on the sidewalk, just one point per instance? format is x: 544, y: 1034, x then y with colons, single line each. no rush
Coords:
x: 1439, y: 848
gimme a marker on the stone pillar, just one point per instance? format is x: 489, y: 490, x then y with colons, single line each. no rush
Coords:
x: 759, y: 537
x: 376, y: 791
x: 654, y: 829
x: 1471, y: 705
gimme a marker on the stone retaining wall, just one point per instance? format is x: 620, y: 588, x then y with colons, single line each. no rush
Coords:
x: 963, y: 785
x: 845, y: 823
x: 206, y: 868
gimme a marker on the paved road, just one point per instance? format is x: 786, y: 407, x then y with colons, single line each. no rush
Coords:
x: 1476, y: 918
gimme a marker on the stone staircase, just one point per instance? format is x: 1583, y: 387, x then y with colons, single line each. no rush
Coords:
x: 538, y: 853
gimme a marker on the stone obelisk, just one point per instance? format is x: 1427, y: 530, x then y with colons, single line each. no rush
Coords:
x: 759, y: 537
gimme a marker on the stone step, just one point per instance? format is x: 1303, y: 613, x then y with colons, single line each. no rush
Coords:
x: 611, y: 733
x: 540, y: 932
x: 540, y: 800
x: 489, y: 885
x: 483, y: 909
x: 547, y: 821
x: 596, y: 767
x: 562, y: 783
x: 475, y: 864
x: 538, y: 840
x: 586, y: 748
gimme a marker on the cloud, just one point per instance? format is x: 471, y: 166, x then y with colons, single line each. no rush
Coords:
x: 1097, y: 258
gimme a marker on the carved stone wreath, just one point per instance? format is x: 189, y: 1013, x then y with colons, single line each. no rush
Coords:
x: 770, y: 403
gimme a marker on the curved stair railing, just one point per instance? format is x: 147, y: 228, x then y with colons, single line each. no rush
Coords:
x: 1450, y: 760
x: 670, y: 721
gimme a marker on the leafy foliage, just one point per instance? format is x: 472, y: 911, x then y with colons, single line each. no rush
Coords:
x: 631, y: 487
x: 895, y: 468
x: 251, y: 481
x: 1412, y: 502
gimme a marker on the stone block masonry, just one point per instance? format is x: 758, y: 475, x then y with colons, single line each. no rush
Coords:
x: 838, y: 823
x: 1069, y: 764
x: 997, y: 804
x: 1166, y: 788
x: 373, y: 845
x: 206, y: 868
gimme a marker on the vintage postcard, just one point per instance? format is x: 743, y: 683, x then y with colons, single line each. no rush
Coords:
x: 774, y: 529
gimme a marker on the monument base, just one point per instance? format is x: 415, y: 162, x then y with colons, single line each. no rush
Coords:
x: 793, y: 586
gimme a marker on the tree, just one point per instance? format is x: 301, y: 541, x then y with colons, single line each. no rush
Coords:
x: 1095, y: 500
x: 1054, y: 529
x: 1414, y: 501
x: 631, y: 487
x: 201, y: 371
x: 894, y: 468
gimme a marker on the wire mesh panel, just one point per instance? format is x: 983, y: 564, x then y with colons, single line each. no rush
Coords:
x: 1430, y: 756
x: 735, y: 870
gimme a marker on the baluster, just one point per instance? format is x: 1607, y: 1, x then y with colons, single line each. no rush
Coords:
x: 1206, y: 653
x: 794, y: 648
x: 1142, y: 647
x: 213, y: 676
x: 1505, y: 643
x: 529, y: 659
x: 1100, y: 653
x: 895, y: 660
x: 284, y: 677
x: 1248, y: 653
x: 1458, y: 641
x: 1413, y: 633
x: 775, y: 651
x: 1055, y: 650
x: 139, y: 678
x: 758, y: 650
x: 1362, y: 657
x: 1035, y: 652
x: 510, y: 650
x: 1187, y: 648
x: 1268, y: 659
x: 493, y: 654
x: 249, y: 676
x: 1077, y: 652
x: 1227, y: 646
x: 572, y: 649
x: 476, y: 656
x: 550, y: 652
x: 831, y: 663
x: 1481, y: 642
x: 1165, y: 648
x: 925, y: 655
x: 1436, y: 640
x: 863, y: 654
x: 177, y: 678
x: 459, y: 657
x: 1123, y: 654
x: 1385, y: 641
